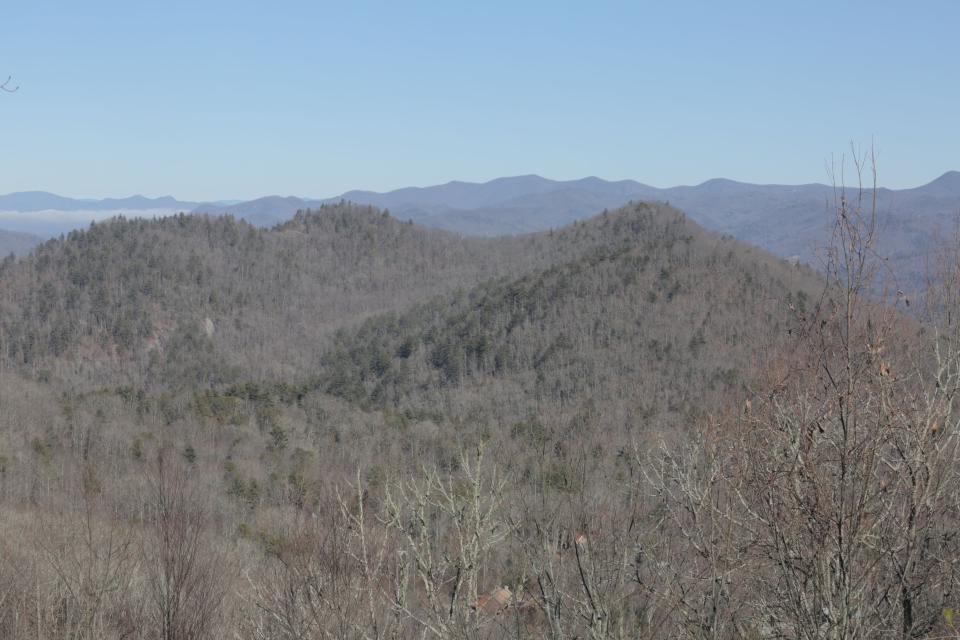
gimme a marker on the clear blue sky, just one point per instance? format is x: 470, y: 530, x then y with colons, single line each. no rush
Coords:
x: 237, y: 99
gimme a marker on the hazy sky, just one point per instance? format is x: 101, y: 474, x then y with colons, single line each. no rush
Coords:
x: 210, y: 99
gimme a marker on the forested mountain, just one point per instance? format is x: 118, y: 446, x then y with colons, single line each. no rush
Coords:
x: 125, y: 295
x: 353, y: 426
x: 663, y: 320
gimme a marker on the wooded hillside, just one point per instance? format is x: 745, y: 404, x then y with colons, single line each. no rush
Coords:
x: 349, y: 426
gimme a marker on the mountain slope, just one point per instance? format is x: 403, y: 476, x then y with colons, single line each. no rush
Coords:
x: 663, y: 323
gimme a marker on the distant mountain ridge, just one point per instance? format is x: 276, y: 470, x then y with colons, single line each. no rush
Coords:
x: 531, y: 203
x: 29, y: 217
x: 44, y: 201
x: 788, y: 220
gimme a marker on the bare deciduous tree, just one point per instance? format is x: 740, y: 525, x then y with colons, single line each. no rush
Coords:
x: 93, y: 560
x: 448, y: 528
x: 325, y: 578
x: 185, y: 573
x: 693, y: 563
x: 848, y: 472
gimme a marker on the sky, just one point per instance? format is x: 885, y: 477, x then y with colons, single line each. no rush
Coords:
x: 207, y: 100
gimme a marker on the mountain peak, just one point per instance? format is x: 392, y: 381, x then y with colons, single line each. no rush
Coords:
x: 714, y: 182
x: 714, y: 185
x: 525, y: 178
x: 949, y: 181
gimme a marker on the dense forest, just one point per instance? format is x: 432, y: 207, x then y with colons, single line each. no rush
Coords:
x: 110, y: 296
x: 349, y: 426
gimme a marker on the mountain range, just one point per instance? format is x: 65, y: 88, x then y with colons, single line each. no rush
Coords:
x: 788, y: 220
